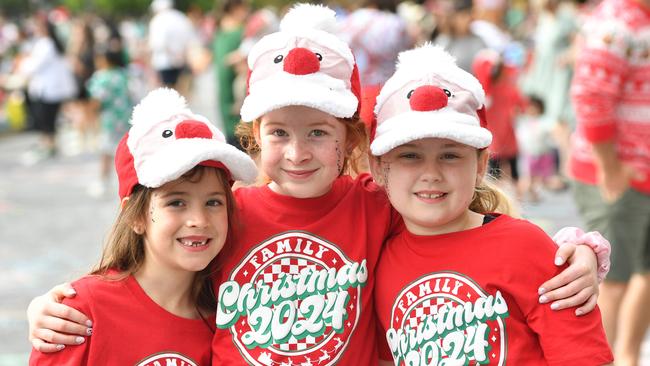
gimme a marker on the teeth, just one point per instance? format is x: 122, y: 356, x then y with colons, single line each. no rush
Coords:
x: 190, y: 243
x: 429, y: 196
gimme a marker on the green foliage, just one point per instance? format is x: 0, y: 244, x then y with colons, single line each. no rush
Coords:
x: 109, y: 8
x: 14, y: 7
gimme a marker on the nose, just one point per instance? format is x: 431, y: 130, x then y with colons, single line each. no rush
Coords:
x: 301, y: 61
x: 431, y: 172
x: 197, y: 217
x: 192, y: 129
x: 428, y: 98
x: 297, y: 152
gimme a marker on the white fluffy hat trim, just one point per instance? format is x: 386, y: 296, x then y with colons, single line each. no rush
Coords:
x: 318, y: 91
x: 444, y: 123
x: 316, y: 23
x: 159, y: 156
x: 172, y: 161
x: 424, y: 62
x: 159, y: 105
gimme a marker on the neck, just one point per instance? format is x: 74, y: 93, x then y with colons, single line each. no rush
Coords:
x: 171, y: 289
x: 466, y: 221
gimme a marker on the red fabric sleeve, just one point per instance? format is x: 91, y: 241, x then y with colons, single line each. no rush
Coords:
x: 70, y: 355
x: 382, y: 343
x: 565, y: 338
x: 595, y: 91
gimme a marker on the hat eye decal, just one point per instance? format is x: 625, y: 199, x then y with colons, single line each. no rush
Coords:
x: 278, y: 59
x: 167, y: 133
x: 410, y: 93
x: 319, y: 56
x: 449, y: 95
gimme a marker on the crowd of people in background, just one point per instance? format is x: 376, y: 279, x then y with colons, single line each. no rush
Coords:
x: 83, y: 73
x: 519, y: 50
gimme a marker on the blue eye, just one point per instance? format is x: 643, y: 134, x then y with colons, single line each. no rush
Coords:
x: 279, y: 133
x: 317, y: 133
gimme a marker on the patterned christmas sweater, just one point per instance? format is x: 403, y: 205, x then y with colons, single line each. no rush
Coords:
x: 611, y: 89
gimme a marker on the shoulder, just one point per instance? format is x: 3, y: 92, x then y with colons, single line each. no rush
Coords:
x: 523, y: 235
x: 93, y: 287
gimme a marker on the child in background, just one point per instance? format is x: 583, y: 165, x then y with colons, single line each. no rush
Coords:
x: 108, y: 89
x: 150, y: 298
x: 534, y: 136
x: 503, y: 101
x: 458, y: 285
x: 298, y: 289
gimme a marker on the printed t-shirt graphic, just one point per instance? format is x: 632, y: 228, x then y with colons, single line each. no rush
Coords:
x: 294, y: 297
x: 167, y: 358
x: 470, y: 298
x: 447, y: 315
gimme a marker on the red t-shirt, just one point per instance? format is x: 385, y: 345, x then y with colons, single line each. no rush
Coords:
x: 473, y: 295
x: 129, y: 328
x: 298, y: 290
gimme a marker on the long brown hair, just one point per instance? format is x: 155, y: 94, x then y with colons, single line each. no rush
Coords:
x: 124, y: 248
x: 356, y: 142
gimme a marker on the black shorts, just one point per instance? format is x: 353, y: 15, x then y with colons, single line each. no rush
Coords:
x: 44, y: 115
x: 169, y: 77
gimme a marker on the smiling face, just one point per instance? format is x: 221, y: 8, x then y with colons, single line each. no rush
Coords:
x: 302, y: 150
x: 430, y: 182
x: 186, y: 223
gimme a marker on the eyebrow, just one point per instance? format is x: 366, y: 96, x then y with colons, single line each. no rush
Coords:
x: 312, y: 124
x: 446, y: 145
x: 182, y: 193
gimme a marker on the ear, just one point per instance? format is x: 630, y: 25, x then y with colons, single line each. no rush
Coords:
x: 137, y: 227
x: 124, y: 201
x: 375, y: 169
x: 256, y: 131
x: 482, y: 166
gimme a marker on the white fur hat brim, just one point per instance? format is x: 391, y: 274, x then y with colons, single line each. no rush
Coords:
x: 413, y: 125
x: 176, y: 159
x: 319, y: 91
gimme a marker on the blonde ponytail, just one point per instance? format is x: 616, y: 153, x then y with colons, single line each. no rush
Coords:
x: 489, y: 198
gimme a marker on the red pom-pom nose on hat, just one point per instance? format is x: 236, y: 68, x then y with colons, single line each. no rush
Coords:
x: 192, y: 129
x: 428, y: 98
x: 301, y: 61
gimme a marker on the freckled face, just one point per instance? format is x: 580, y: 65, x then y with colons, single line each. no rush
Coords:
x: 302, y: 150
x: 430, y: 182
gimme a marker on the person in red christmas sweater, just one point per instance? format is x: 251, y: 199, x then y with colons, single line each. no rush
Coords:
x: 457, y: 287
x: 298, y: 288
x: 610, y: 160
x: 150, y: 298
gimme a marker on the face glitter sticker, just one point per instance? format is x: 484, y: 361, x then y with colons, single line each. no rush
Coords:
x: 339, y: 157
x: 295, y: 299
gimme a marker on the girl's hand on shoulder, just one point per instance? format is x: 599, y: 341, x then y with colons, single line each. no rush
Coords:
x: 576, y: 285
x: 52, y: 325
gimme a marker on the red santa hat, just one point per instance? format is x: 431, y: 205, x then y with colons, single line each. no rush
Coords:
x: 429, y: 96
x: 302, y: 64
x: 167, y: 140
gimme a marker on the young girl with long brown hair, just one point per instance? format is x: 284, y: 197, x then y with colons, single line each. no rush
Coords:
x: 150, y: 297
